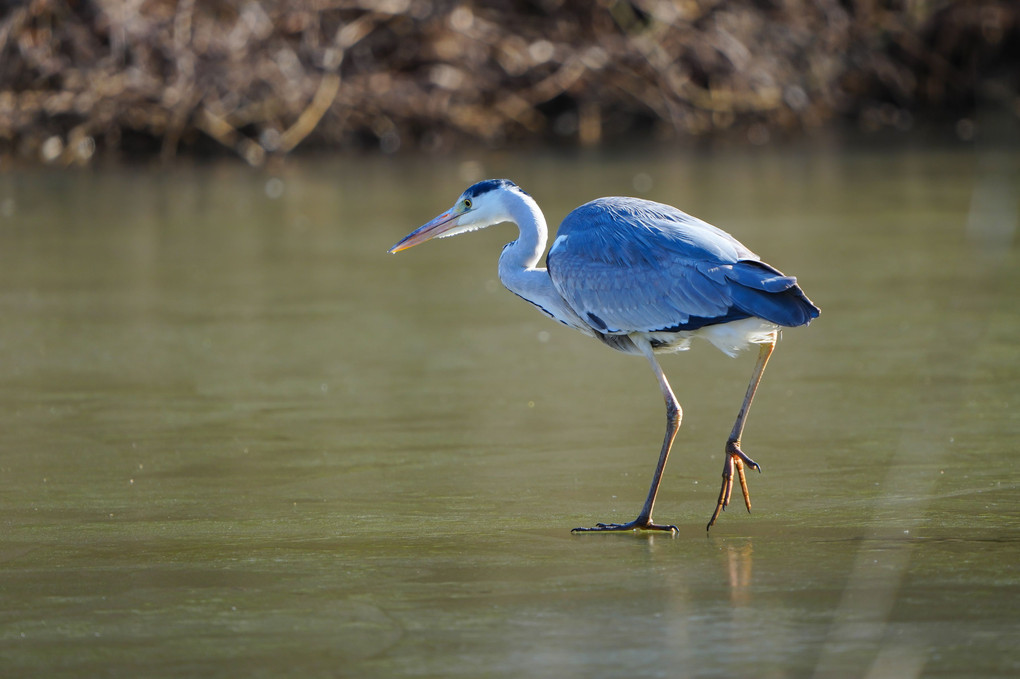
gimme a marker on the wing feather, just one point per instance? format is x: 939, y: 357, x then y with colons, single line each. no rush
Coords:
x: 631, y: 265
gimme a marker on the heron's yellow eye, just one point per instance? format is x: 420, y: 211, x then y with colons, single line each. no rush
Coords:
x: 467, y: 203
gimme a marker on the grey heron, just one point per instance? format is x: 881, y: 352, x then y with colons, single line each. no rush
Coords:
x: 644, y: 278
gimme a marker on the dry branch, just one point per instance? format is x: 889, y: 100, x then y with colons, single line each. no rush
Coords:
x: 262, y: 78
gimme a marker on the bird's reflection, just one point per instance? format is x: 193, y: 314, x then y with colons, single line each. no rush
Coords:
x: 738, y: 562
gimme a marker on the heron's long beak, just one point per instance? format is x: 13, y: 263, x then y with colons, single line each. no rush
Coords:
x: 436, y: 227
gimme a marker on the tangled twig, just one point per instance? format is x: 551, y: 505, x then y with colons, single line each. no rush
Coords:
x: 264, y: 78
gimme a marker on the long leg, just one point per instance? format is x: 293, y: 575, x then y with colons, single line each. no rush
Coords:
x: 673, y: 416
x: 735, y: 458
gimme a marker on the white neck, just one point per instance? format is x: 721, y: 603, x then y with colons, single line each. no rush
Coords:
x: 527, y: 250
x: 517, y: 263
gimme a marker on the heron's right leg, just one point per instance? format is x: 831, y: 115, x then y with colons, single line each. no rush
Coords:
x: 674, y: 414
x: 735, y: 457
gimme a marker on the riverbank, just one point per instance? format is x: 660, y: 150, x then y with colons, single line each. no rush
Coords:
x: 79, y: 79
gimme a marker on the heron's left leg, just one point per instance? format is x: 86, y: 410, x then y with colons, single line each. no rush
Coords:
x: 673, y: 416
x: 735, y: 458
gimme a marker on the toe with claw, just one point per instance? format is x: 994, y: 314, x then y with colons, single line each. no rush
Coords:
x: 637, y: 524
x: 735, y: 459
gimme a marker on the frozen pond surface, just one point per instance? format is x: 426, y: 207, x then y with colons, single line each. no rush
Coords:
x: 239, y: 439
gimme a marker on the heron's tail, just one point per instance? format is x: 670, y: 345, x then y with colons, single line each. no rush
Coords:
x: 762, y: 291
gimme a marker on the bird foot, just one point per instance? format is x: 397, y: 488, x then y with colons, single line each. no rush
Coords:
x: 735, y: 459
x: 637, y: 524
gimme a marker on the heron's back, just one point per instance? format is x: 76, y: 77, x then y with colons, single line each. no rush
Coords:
x: 630, y: 265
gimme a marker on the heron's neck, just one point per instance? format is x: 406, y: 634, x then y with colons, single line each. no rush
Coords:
x: 517, y: 264
x: 525, y: 252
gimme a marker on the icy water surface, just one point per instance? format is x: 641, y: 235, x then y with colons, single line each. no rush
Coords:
x: 238, y: 439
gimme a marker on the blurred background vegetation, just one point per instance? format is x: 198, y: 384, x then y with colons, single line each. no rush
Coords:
x: 81, y: 78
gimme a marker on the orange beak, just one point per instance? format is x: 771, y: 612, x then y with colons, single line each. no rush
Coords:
x: 436, y: 227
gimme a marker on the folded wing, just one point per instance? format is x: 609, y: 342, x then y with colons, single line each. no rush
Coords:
x: 630, y: 265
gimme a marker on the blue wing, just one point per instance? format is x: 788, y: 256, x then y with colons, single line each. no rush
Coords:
x: 631, y: 265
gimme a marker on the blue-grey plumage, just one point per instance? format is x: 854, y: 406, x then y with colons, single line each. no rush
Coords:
x: 643, y: 278
x: 629, y: 265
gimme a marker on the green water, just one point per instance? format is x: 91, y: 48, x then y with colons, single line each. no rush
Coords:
x: 239, y: 439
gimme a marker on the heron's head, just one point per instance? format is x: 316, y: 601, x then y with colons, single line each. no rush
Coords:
x: 482, y: 204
